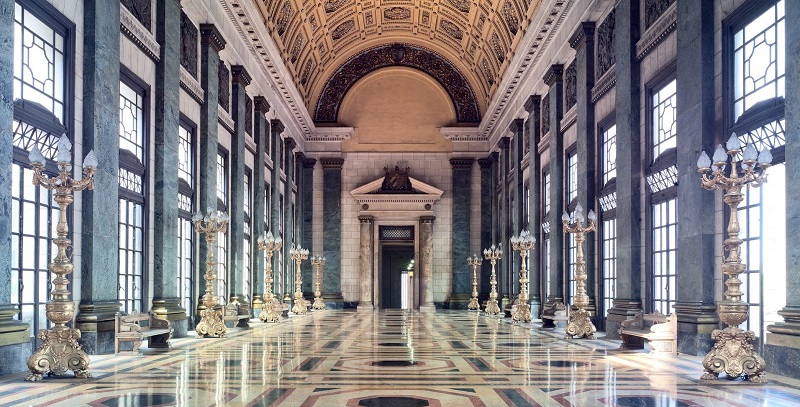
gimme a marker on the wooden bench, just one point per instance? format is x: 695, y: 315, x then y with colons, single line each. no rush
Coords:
x: 662, y: 332
x: 553, y: 316
x: 238, y: 314
x: 129, y: 328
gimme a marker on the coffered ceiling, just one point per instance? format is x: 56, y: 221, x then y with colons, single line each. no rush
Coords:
x: 469, y: 43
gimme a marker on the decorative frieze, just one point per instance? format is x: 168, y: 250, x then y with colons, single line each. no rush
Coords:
x: 545, y: 117
x: 342, y: 29
x: 396, y: 13
x: 332, y: 134
x: 658, y: 31
x: 606, y: 57
x: 570, y: 86
x: 451, y: 29
x: 223, y: 86
x: 189, y: 45
x: 211, y: 37
x: 248, y: 115
x: 139, y: 34
x: 192, y: 86
x: 462, y: 134
x: 141, y: 10
x: 225, y: 119
x: 604, y: 84
x: 653, y: 9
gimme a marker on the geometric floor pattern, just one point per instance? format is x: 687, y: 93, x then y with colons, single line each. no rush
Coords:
x: 394, y: 359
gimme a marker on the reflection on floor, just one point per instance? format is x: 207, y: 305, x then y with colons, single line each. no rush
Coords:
x: 395, y: 359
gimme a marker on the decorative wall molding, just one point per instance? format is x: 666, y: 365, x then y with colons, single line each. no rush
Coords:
x: 225, y: 119
x: 658, y: 31
x: 569, y: 118
x: 141, y: 36
x: 332, y: 134
x: 192, y: 86
x: 604, y: 84
x: 544, y: 144
x: 456, y: 134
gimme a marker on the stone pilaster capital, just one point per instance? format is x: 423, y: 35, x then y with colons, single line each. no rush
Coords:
x: 582, y: 35
x: 289, y: 143
x: 462, y: 163
x: 331, y: 163
x: 504, y: 143
x: 486, y: 163
x: 277, y: 126
x: 211, y: 37
x: 366, y: 219
x: 261, y: 105
x: 533, y: 103
x: 309, y: 162
x: 554, y: 74
x: 427, y: 219
x: 240, y: 76
x: 517, y: 126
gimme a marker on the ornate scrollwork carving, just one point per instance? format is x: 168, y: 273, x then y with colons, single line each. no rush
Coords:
x: 309, y: 66
x: 606, y: 57
x: 510, y: 16
x: 58, y: 353
x: 248, y: 115
x: 653, y: 10
x: 497, y: 47
x: 461, y: 5
x: 451, y: 29
x: 580, y: 325
x: 396, y: 13
x: 211, y: 324
x: 142, y: 10
x: 284, y: 16
x: 545, y: 118
x: 570, y: 86
x: 342, y: 29
x: 223, y: 87
x: 297, y: 47
x: 333, y: 5
x: 733, y: 354
x: 189, y: 36
x: 487, y: 71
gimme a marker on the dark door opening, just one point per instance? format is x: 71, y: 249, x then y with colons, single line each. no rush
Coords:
x: 395, y: 281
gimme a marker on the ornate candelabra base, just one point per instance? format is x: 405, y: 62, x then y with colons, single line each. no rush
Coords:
x: 580, y: 325
x: 492, y: 307
x: 318, y: 304
x: 268, y: 313
x: 211, y: 324
x: 299, y: 307
x: 733, y: 354
x: 522, y: 313
x: 473, y: 304
x: 58, y: 353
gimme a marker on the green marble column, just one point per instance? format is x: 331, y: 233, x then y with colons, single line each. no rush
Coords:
x: 276, y: 128
x: 487, y: 208
x: 288, y: 215
x: 462, y: 214
x: 261, y: 136
x: 305, y: 212
x: 100, y: 207
x: 332, y: 229
x: 503, y: 266
x: 240, y: 78
x: 533, y: 106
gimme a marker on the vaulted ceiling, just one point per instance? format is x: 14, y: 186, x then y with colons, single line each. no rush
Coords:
x: 328, y: 45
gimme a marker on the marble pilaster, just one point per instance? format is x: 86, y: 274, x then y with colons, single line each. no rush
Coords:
x: 782, y: 351
x: 487, y: 191
x: 366, y: 263
x: 276, y: 127
x: 332, y: 227
x: 212, y: 43
x: 582, y: 40
x: 240, y: 78
x: 462, y: 202
x: 290, y: 235
x: 261, y: 137
x: 426, y: 263
x: 503, y: 267
x: 516, y: 191
x: 695, y: 305
x: 98, y: 268
x: 166, y: 295
x: 629, y: 241
x: 305, y: 186
x: 555, y: 80
x: 533, y: 107
x: 14, y: 335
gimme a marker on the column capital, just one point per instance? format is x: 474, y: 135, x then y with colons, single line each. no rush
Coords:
x: 331, y: 163
x: 427, y: 219
x: 532, y: 103
x: 239, y: 76
x: 261, y: 105
x: 308, y: 162
x: 504, y: 142
x: 486, y: 163
x: 277, y: 126
x: 462, y: 163
x: 366, y: 219
x: 211, y: 37
x: 554, y: 74
x: 516, y: 126
x: 289, y: 143
x: 583, y: 34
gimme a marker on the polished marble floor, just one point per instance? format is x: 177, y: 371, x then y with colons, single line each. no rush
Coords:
x: 395, y: 359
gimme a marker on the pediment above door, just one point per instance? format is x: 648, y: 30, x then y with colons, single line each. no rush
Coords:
x: 378, y: 199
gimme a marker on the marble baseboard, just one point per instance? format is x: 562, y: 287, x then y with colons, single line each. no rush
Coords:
x: 695, y: 344
x: 97, y: 343
x: 180, y: 328
x: 782, y: 360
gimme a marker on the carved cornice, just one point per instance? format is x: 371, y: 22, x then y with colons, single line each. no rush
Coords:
x: 532, y: 103
x: 456, y: 134
x: 604, y: 84
x: 225, y: 119
x: 427, y: 219
x: 658, y: 32
x: 192, y: 86
x: 289, y: 143
x: 211, y: 37
x: 554, y: 74
x: 240, y: 76
x: 583, y: 34
x: 333, y: 134
x: 366, y: 219
x: 504, y: 142
x: 261, y: 105
x: 569, y: 118
x: 517, y: 126
x: 308, y: 162
x: 141, y: 36
x: 462, y: 163
x: 331, y: 163
x: 277, y: 126
x: 486, y: 163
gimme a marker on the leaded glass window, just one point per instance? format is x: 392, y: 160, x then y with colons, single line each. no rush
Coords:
x: 608, y: 202
x: 609, y: 262
x: 572, y: 177
x: 131, y: 123
x: 759, y: 60
x: 222, y: 267
x: 131, y: 255
x: 246, y: 247
x: 664, y: 179
x: 546, y: 192
x: 186, y: 155
x: 572, y: 263
x: 664, y: 246
x: 546, y: 265
x: 664, y: 119
x: 609, y: 154
x: 186, y: 177
x: 222, y: 181
x: 186, y: 265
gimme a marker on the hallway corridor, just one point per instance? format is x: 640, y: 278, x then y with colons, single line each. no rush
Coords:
x: 394, y: 359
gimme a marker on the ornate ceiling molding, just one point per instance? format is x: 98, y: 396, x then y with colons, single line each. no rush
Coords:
x: 462, y: 134
x: 334, y: 134
x: 405, y: 55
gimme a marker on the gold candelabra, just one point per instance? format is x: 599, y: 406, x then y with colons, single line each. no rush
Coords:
x: 580, y: 323
x: 269, y: 244
x: 492, y: 254
x: 474, y: 261
x: 318, y: 262
x: 298, y: 255
x: 211, y: 322
x: 59, y: 350
x: 733, y: 351
x: 523, y: 243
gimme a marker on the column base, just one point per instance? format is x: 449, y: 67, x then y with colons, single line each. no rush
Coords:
x: 782, y: 354
x: 15, y: 342
x: 365, y: 307
x: 536, y: 308
x: 622, y: 310
x: 696, y: 322
x: 427, y: 308
x: 459, y: 301
x: 170, y: 309
x: 256, y: 304
x: 95, y: 320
